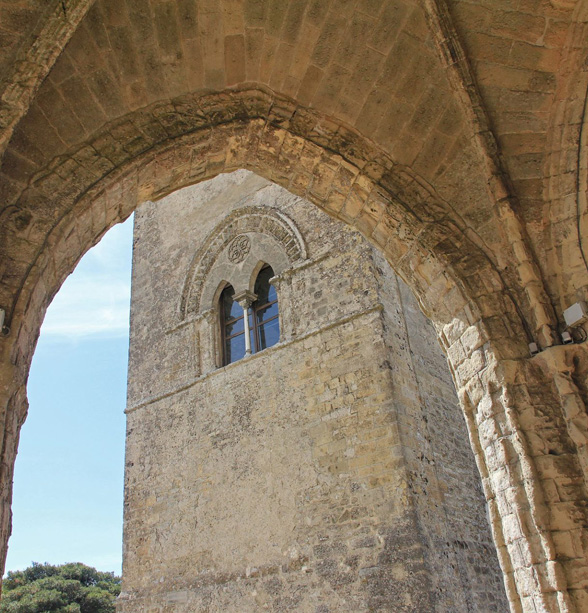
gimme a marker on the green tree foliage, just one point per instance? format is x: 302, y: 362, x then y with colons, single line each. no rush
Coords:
x: 69, y: 588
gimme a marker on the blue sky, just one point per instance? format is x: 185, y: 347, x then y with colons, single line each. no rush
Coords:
x: 68, y: 483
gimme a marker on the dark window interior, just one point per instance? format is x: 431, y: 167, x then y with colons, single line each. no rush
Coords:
x: 233, y: 331
x: 265, y: 328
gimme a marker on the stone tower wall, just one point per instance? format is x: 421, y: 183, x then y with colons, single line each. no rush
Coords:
x: 330, y: 472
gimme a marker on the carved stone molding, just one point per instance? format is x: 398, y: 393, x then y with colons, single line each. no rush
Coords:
x: 233, y: 247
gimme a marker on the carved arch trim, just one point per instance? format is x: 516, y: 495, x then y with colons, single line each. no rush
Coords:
x: 232, y: 232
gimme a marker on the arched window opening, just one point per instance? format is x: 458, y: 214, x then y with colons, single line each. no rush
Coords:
x: 262, y: 324
x: 232, y: 325
x: 265, y: 326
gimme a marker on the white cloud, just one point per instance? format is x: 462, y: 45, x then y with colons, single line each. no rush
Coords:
x: 94, y: 300
x: 90, y: 306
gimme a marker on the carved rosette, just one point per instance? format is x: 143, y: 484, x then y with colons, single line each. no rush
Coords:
x: 239, y: 249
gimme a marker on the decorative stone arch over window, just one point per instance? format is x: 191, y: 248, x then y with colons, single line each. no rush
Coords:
x: 234, y: 248
x: 233, y: 254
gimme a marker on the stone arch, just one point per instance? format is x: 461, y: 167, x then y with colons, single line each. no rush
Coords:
x: 330, y: 164
x: 197, y: 293
x: 458, y: 286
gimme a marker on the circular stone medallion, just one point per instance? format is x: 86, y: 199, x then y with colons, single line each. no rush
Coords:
x: 239, y: 248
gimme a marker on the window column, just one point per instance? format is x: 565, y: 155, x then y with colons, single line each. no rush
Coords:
x: 246, y: 299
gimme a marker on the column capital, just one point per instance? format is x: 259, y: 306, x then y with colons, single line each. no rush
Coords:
x: 245, y: 298
x: 277, y: 280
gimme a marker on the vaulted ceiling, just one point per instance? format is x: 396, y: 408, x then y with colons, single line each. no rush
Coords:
x: 466, y: 94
